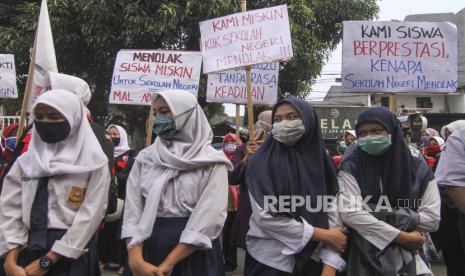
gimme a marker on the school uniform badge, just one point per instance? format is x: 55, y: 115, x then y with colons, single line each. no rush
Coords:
x: 76, y: 195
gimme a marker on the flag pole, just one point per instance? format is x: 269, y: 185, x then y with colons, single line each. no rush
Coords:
x: 249, y: 90
x: 27, y: 91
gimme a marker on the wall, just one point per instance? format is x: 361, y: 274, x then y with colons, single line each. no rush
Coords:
x: 410, y: 101
x: 456, y: 103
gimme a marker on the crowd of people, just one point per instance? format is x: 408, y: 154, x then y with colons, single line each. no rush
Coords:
x: 76, y: 199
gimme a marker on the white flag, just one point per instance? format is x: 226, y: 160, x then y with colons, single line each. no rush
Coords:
x: 45, y: 59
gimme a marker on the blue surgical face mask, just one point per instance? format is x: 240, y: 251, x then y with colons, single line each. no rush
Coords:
x: 165, y: 127
x: 375, y: 144
x: 10, y: 143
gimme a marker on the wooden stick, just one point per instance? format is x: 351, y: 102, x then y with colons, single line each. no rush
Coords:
x: 249, y: 90
x: 149, y: 128
x: 27, y: 91
x: 249, y: 104
x: 238, y: 123
x: 243, y: 5
x: 393, y: 103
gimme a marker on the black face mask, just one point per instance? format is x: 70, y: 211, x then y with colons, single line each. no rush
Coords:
x: 52, y: 133
x: 116, y: 141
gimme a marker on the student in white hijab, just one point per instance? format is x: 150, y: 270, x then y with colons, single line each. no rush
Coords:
x: 120, y: 139
x: 81, y: 89
x: 447, y: 130
x: 111, y: 248
x: 55, y: 195
x: 177, y: 194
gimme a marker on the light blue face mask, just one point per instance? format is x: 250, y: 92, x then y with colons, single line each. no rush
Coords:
x: 165, y: 127
x: 375, y: 144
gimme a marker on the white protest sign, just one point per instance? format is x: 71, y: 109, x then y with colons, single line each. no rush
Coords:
x: 230, y: 86
x: 247, y: 38
x: 389, y: 56
x: 8, y: 87
x: 139, y: 73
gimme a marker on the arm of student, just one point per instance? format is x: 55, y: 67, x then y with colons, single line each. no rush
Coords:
x: 134, y: 202
x: 450, y: 172
x: 180, y: 252
x: 292, y: 233
x: 377, y: 232
x: 330, y: 257
x: 137, y: 263
x: 208, y: 217
x: 430, y: 208
x: 88, y: 217
x: 13, y: 231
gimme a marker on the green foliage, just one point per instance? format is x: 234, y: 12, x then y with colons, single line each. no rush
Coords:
x: 89, y: 33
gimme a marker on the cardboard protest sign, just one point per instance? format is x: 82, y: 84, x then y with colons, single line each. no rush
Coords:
x: 8, y: 87
x: 389, y: 56
x: 230, y: 86
x: 139, y: 73
x: 247, y: 38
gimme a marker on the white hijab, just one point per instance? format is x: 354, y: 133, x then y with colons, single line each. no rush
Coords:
x: 454, y: 126
x: 123, y: 145
x: 72, y: 84
x: 80, y: 152
x: 439, y: 140
x: 189, y: 151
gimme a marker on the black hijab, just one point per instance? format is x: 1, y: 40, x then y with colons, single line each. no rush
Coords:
x: 303, y: 169
x: 403, y: 177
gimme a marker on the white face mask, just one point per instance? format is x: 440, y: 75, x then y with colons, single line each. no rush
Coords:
x: 230, y: 148
x: 288, y: 132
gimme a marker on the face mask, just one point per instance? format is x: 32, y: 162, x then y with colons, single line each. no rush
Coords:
x: 10, y: 143
x: 375, y: 144
x: 342, y: 144
x: 230, y: 148
x: 288, y: 132
x: 433, y: 150
x: 424, y: 139
x: 115, y: 141
x: 166, y: 127
x: 52, y: 133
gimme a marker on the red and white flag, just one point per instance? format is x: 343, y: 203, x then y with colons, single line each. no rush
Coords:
x: 45, y: 59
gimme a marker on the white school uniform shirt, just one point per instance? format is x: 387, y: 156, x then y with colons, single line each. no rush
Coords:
x: 76, y: 203
x: 78, y: 183
x: 181, y: 177
x: 451, y: 167
x: 378, y: 232
x: 204, y: 204
x: 274, y: 240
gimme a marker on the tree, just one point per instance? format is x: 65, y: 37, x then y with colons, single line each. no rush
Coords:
x: 89, y: 33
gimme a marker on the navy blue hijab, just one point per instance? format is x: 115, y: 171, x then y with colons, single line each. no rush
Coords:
x: 403, y: 177
x: 303, y: 169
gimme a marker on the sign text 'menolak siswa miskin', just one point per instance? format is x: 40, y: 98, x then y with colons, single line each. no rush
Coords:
x: 139, y: 73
